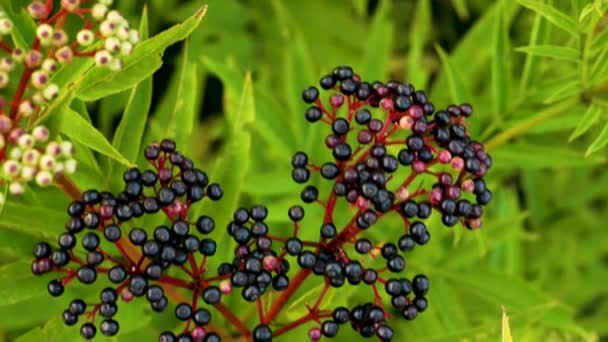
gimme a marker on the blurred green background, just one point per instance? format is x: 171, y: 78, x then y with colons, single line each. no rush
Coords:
x: 536, y: 73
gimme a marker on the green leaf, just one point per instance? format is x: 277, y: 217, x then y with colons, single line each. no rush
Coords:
x: 185, y: 109
x: 32, y: 219
x: 553, y: 51
x: 454, y: 80
x: 78, y: 129
x: 53, y: 330
x: 379, y: 44
x: 95, y: 87
x: 529, y: 156
x: 500, y: 67
x: 417, y: 74
x: 141, y: 63
x: 460, y: 6
x: 532, y: 69
x: 600, y: 142
x: 553, y: 15
x: 506, y: 328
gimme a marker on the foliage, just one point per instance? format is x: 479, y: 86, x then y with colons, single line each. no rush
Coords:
x: 535, y: 71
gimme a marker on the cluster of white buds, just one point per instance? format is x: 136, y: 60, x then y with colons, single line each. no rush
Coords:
x: 34, y: 158
x: 118, y: 37
x: 6, y: 64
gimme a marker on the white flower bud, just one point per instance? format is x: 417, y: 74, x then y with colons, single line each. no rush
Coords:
x: 51, y: 92
x: 5, y: 123
x: 70, y: 5
x: 37, y: 10
x: 85, y: 37
x: 115, y: 17
x: 126, y: 48
x: 7, y: 64
x: 59, y: 169
x: 30, y: 157
x: 44, y: 33
x: 4, y: 79
x: 60, y: 38
x: 15, y: 153
x: 99, y: 11
x: 53, y: 149
x: 6, y: 26
x: 44, y: 178
x: 38, y: 99
x: 103, y: 58
x: 64, y: 55
x: 11, y: 168
x: 67, y: 148
x: 112, y: 45
x: 70, y: 166
x: 107, y: 28
x: 16, y: 188
x: 116, y: 64
x: 49, y: 65
x: 27, y: 173
x: 40, y: 133
x: 18, y: 55
x: 26, y: 141
x: 47, y: 162
x: 123, y: 33
x: 39, y: 79
x: 134, y: 37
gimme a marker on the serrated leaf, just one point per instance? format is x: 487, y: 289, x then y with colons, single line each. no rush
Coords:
x: 379, y: 44
x: 529, y: 156
x: 506, y: 328
x: 553, y: 51
x: 78, y: 129
x: 600, y: 142
x: 141, y: 63
x: 32, y: 219
x: 454, y: 80
x: 419, y: 35
x: 532, y: 69
x: 553, y: 15
x: 184, y: 112
x: 500, y: 67
x: 592, y: 114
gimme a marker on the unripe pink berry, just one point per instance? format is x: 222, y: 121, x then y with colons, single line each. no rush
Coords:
x: 406, y: 122
x: 468, y: 186
x: 419, y: 166
x: 198, y: 333
x: 270, y: 263
x: 225, y: 287
x: 362, y: 203
x: 444, y: 157
x: 336, y: 100
x: 457, y: 163
x: 5, y: 123
x: 435, y: 196
x: 314, y: 334
x: 386, y: 104
x: 415, y: 112
x: 403, y: 193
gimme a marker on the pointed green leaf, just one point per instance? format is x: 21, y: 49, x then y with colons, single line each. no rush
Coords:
x: 379, y: 44
x: 141, y: 63
x: 552, y: 14
x: 553, y: 51
x: 454, y: 80
x: 32, y: 219
x: 600, y: 142
x: 530, y: 156
x: 417, y: 74
x: 506, y: 327
x: 78, y: 129
x: 184, y: 113
x: 500, y: 65
x: 532, y: 69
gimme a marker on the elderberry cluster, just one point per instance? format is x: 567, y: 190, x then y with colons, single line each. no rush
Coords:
x: 392, y: 152
x: 105, y: 226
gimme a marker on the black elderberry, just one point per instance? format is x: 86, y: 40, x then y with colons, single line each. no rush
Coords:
x: 117, y: 274
x: 90, y: 241
x: 328, y: 230
x: 306, y: 259
x: 77, y: 307
x: 75, y: 208
x: 420, y: 285
x: 280, y: 282
x: 67, y: 241
x: 370, y: 276
x: 60, y: 258
x: 410, y: 312
x: 42, y: 250
x: 212, y: 295
x: 215, y: 192
x: 342, y: 151
x: 421, y: 304
x: 86, y: 275
x: 396, y: 264
x: 449, y: 220
x: 375, y: 125
x: 384, y: 332
x: 251, y: 293
x: 406, y: 243
x: 341, y: 315
x: 313, y: 114
x: 138, y: 285
x: 363, y: 246
x: 309, y: 194
x: 55, y: 288
x: 159, y: 305
x: 330, y: 328
x: 88, y: 331
x: 154, y: 271
x: 484, y: 197
x: 405, y: 157
x: 183, y: 311
x: 138, y: 236
x: 409, y: 208
x: 327, y: 82
x: 402, y: 103
x: 108, y: 310
x: 262, y: 333
x: 211, y: 337
x: 310, y: 94
x: 109, y: 327
x: 112, y: 233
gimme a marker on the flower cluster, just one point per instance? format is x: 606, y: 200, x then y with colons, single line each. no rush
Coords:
x: 392, y: 153
x: 26, y: 73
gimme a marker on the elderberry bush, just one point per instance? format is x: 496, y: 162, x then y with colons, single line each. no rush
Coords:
x: 391, y: 152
